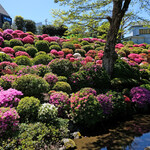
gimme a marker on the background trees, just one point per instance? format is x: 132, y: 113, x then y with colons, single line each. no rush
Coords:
x: 89, y: 13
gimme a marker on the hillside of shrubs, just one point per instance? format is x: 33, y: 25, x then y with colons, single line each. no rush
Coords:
x: 52, y: 86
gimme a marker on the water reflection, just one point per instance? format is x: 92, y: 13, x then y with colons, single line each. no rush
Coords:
x: 130, y: 135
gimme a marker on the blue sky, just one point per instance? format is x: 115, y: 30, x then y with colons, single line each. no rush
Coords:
x: 36, y: 10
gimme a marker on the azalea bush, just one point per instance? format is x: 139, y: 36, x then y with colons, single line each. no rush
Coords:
x: 61, y: 101
x: 47, y: 113
x: 28, y: 109
x: 10, y: 97
x: 140, y: 96
x: 9, y: 120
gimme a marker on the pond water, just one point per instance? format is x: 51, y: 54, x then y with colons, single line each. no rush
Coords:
x: 129, y: 135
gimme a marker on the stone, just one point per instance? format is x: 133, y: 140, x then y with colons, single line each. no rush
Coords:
x: 69, y: 144
x: 76, y: 135
x: 147, y: 148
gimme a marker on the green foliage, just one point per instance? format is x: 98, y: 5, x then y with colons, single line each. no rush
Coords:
x: 19, y: 48
x: 23, y: 60
x: 42, y: 59
x: 123, y: 70
x: 5, y: 57
x: 62, y: 78
x: 53, y: 43
x: 28, y: 45
x: 68, y: 45
x: 6, y: 43
x: 146, y: 86
x: 121, y: 83
x: 42, y: 46
x: 87, y: 47
x: 30, y: 26
x: 28, y: 109
x: 81, y: 51
x: 31, y: 51
x: 56, y: 47
x: 31, y: 85
x: 85, y: 43
x: 15, y: 42
x: 6, y: 25
x: 62, y: 86
x: 40, y: 53
x: 19, y: 22
x: 99, y: 48
x: 61, y: 67
x: 47, y: 113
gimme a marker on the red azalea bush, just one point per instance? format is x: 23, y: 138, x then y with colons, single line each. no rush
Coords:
x: 8, y: 50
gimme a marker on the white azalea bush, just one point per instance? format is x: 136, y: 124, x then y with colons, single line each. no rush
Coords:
x: 47, y: 112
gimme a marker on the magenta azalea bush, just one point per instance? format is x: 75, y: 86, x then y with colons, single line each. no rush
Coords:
x: 61, y: 101
x: 140, y: 96
x: 10, y: 97
x: 8, y: 121
x: 51, y: 78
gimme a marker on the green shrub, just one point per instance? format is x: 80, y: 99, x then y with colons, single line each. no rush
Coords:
x: 31, y: 51
x: 56, y: 47
x: 81, y: 51
x: 28, y: 45
x: 84, y: 43
x: 145, y: 51
x: 99, y: 48
x: 123, y: 70
x: 47, y: 113
x: 28, y: 109
x: 87, y: 47
x: 5, y: 57
x: 6, y: 43
x: 62, y: 86
x: 40, y: 53
x: 23, y: 60
x: 42, y: 59
x: 61, y: 67
x: 42, y: 46
x: 15, y: 42
x: 6, y: 81
x: 121, y: 83
x: 90, y: 75
x: 121, y: 53
x: 19, y: 48
x: 33, y: 136
x: 53, y: 43
x: 68, y: 45
x: 31, y: 85
x: 130, y: 42
x: 62, y: 78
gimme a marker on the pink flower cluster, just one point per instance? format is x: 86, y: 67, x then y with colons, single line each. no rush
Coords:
x: 135, y: 57
x: 59, y: 54
x: 9, y: 98
x: 8, y: 121
x: 8, y: 50
x: 60, y: 100
x: 91, y: 53
x: 28, y: 39
x: 119, y: 46
x: 21, y: 53
x: 51, y: 78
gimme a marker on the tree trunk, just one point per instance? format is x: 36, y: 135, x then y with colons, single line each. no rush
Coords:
x: 110, y: 56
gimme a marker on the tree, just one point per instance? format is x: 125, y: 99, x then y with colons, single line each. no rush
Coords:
x: 88, y: 12
x: 6, y: 25
x: 30, y: 26
x: 19, y: 22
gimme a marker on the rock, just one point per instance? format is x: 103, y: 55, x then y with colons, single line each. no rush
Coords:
x: 76, y: 135
x: 147, y: 148
x: 69, y: 144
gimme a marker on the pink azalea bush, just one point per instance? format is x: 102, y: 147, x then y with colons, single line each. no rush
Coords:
x: 10, y: 97
x: 8, y: 121
x: 21, y: 53
x: 61, y: 101
x: 51, y: 78
x: 8, y: 50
